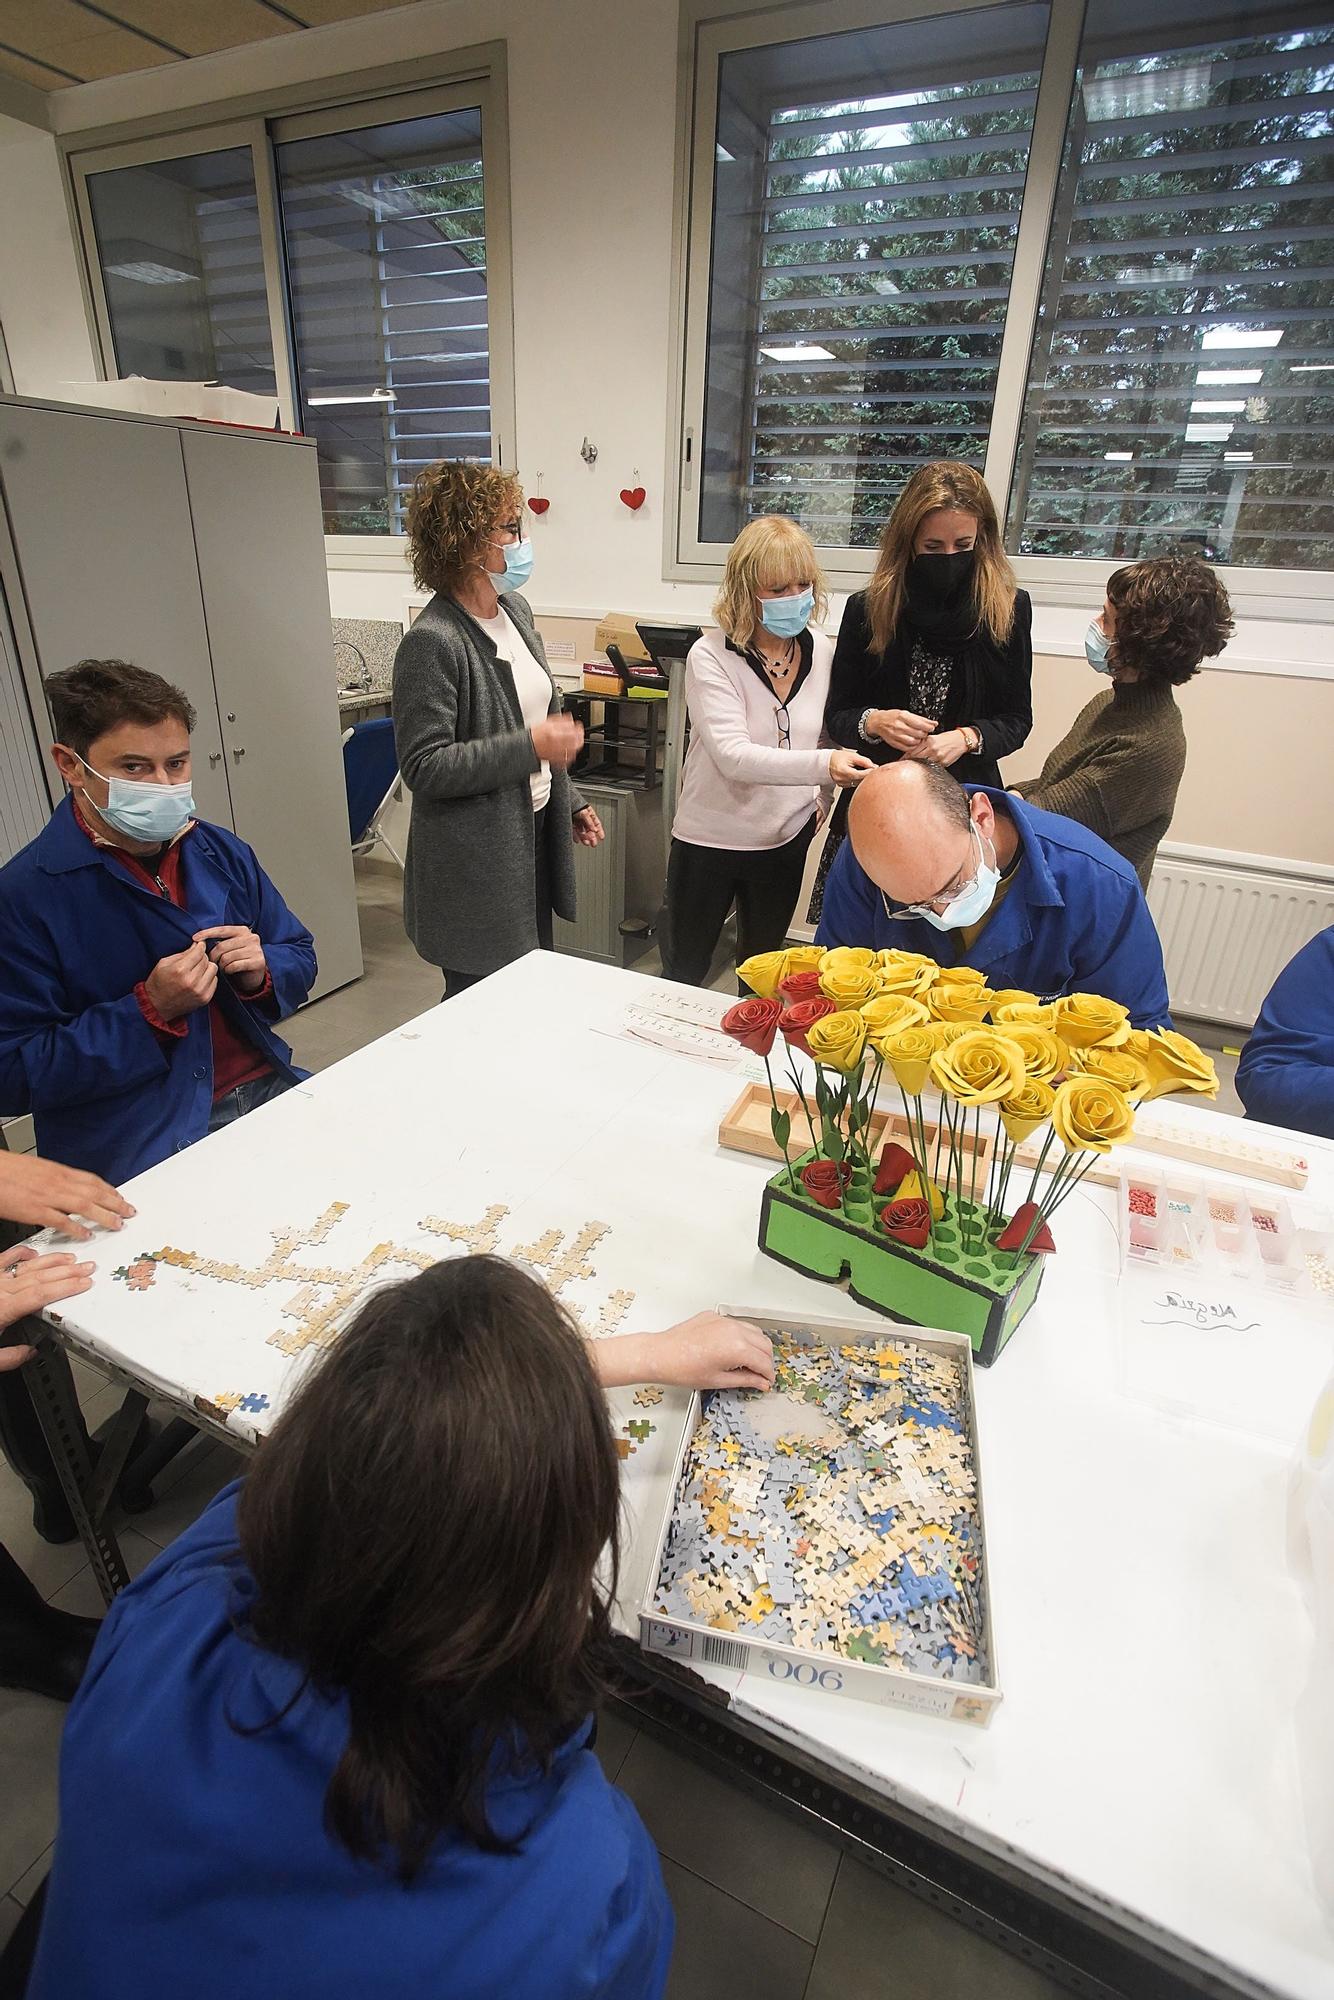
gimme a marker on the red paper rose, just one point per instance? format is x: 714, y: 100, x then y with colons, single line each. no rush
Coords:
x: 753, y: 1023
x: 908, y: 1222
x: 1017, y: 1228
x: 800, y: 986
x: 896, y: 1163
x: 801, y: 1017
x: 825, y: 1180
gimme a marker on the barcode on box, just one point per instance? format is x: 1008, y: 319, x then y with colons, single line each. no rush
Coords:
x: 721, y: 1652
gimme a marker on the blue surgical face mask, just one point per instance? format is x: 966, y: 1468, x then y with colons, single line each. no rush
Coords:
x: 518, y: 564
x: 973, y: 901
x: 1096, y: 644
x: 145, y: 811
x: 787, y: 617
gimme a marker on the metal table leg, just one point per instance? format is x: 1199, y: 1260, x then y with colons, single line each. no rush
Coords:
x: 58, y: 1413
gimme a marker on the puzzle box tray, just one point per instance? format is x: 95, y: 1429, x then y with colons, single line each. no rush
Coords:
x: 830, y: 1671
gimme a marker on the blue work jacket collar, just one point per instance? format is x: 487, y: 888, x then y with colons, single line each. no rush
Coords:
x: 1033, y: 887
x: 63, y: 846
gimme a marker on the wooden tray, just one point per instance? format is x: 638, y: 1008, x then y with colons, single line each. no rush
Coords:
x: 1281, y: 1166
x: 744, y: 1127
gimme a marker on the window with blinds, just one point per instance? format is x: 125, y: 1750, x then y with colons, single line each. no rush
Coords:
x: 182, y: 264
x: 385, y: 241
x: 1181, y: 388
x: 867, y: 193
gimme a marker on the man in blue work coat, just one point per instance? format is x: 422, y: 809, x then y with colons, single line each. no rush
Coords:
x: 1286, y: 1073
x: 975, y: 877
x: 144, y: 954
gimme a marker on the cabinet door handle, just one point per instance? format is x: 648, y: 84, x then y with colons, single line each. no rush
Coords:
x: 215, y: 756
x: 239, y: 752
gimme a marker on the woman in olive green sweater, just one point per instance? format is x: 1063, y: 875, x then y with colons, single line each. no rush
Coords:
x: 1118, y: 768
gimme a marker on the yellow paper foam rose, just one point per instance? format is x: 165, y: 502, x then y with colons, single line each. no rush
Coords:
x: 763, y: 972
x: 1086, y: 1021
x: 1011, y: 996
x: 1027, y: 1109
x: 803, y: 958
x: 947, y: 1032
x: 1019, y: 1014
x: 887, y: 1015
x: 839, y: 1040
x: 1174, y: 1062
x: 952, y: 999
x: 979, y: 1068
x: 910, y: 972
x: 1090, y: 1115
x: 1044, y: 1053
x: 849, y: 985
x: 1127, y: 1071
x: 841, y: 955
x: 909, y: 1055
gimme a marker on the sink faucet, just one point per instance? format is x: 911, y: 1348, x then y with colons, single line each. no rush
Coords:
x: 362, y: 685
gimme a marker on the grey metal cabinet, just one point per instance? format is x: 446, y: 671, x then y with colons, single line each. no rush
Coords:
x: 197, y: 552
x: 621, y: 878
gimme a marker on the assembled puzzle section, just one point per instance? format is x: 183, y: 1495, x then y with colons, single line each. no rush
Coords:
x: 830, y: 1534
x: 1172, y: 1221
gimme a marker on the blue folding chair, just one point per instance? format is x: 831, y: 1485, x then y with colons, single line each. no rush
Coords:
x: 370, y: 768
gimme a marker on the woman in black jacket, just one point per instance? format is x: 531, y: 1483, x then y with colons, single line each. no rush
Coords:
x: 935, y: 657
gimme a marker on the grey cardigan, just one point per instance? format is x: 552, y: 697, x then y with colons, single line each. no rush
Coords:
x: 466, y: 757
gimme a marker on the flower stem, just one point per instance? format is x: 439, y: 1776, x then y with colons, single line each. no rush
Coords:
x: 773, y: 1100
x: 803, y: 1101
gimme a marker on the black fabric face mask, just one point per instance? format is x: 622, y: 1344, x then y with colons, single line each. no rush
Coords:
x: 938, y: 579
x: 939, y: 602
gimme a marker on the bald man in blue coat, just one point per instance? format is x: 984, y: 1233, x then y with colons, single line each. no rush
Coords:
x: 972, y: 876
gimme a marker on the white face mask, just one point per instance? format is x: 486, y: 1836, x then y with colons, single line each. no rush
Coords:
x: 1096, y: 644
x: 143, y: 811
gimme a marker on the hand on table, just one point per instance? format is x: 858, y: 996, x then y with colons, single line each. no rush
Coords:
x: 28, y: 1283
x: 588, y: 828
x: 946, y: 749
x: 47, y: 1196
x: 238, y: 954
x: 557, y: 739
x: 182, y: 982
x: 899, y: 727
x: 706, y: 1351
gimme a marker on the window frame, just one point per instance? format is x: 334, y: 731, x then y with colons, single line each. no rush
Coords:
x: 479, y: 86
x: 706, y: 38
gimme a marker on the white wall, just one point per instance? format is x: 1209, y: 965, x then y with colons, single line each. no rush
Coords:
x: 41, y: 302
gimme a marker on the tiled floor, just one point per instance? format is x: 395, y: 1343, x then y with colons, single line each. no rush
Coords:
x: 766, y: 1909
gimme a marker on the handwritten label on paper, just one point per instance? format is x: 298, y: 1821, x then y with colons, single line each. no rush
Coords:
x: 1182, y: 1310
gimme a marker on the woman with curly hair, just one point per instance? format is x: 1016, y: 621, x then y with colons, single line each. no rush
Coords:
x: 1118, y: 768
x: 934, y: 659
x: 483, y: 743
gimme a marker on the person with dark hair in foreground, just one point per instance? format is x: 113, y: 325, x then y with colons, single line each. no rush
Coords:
x: 336, y: 1741
x: 972, y: 877
x: 1286, y: 1072
x: 1118, y: 768
x: 145, y: 956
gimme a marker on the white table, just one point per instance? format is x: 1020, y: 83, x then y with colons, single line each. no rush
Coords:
x: 1151, y: 1644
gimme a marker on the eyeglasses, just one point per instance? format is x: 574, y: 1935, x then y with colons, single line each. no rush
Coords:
x: 906, y: 912
x: 784, y: 722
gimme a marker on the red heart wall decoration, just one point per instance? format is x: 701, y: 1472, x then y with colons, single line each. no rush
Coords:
x: 634, y: 497
x: 538, y: 504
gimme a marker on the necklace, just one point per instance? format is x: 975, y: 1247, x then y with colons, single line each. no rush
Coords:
x: 778, y: 670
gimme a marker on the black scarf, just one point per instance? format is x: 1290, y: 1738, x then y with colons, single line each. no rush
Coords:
x: 939, y: 602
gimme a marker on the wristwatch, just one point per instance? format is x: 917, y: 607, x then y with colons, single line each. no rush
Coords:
x: 862, y: 730
x: 972, y: 737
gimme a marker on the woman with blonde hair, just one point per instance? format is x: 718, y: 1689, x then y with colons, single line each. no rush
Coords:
x: 760, y: 770
x: 483, y: 744
x: 935, y: 657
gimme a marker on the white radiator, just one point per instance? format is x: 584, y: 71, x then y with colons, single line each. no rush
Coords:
x: 1229, y: 924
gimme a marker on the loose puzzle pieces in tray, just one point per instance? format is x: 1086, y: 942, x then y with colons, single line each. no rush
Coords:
x: 862, y: 1538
